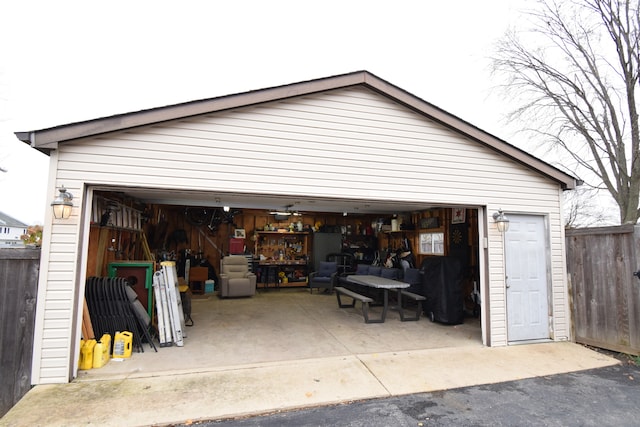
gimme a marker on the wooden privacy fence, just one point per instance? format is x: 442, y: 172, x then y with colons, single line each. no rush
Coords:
x: 18, y: 289
x: 605, y: 295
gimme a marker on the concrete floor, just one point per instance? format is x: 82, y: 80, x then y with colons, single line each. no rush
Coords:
x: 285, y: 324
x: 283, y: 350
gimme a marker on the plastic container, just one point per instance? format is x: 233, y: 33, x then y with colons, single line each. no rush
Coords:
x: 80, y: 358
x: 122, y: 342
x: 86, y: 354
x: 209, y: 287
x: 101, y: 351
x: 236, y: 246
x: 97, y: 355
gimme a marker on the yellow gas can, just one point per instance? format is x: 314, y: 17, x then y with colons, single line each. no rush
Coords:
x: 101, y: 351
x: 122, y: 342
x: 80, y: 358
x: 86, y: 354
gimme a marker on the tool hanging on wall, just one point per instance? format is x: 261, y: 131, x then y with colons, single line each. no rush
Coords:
x: 119, y: 250
x: 87, y: 326
x: 213, y: 217
x: 148, y: 255
x: 211, y: 242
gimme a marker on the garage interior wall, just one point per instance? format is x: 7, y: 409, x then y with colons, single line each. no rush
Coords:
x: 168, y: 231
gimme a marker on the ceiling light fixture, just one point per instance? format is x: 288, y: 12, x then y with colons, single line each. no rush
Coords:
x: 285, y: 212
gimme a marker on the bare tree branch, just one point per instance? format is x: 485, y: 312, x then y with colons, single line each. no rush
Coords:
x: 576, y: 70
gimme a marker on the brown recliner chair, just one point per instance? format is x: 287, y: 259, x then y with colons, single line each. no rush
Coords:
x: 235, y: 279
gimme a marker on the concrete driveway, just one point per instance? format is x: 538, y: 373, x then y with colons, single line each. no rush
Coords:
x: 265, y: 388
x: 597, y: 397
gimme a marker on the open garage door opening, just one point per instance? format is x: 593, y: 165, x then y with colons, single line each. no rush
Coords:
x: 284, y: 240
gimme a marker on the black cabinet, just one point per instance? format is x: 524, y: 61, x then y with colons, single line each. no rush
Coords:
x: 323, y: 245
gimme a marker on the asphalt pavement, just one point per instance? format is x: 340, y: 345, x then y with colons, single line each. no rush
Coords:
x: 607, y: 396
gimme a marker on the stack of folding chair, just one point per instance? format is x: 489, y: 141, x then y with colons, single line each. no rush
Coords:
x: 114, y: 307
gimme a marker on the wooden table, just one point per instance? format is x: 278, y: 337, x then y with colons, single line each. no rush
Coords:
x: 378, y: 283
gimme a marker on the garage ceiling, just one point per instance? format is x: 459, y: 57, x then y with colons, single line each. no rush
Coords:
x: 267, y: 202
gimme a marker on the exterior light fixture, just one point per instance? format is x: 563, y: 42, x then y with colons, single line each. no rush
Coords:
x: 62, y: 204
x: 502, y: 222
x: 225, y: 208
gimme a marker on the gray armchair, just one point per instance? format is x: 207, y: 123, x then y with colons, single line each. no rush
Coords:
x: 235, y: 279
x: 324, y: 277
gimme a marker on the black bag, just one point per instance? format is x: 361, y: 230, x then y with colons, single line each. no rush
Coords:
x: 185, y: 297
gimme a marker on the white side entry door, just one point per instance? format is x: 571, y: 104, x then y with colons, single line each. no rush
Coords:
x: 526, y: 281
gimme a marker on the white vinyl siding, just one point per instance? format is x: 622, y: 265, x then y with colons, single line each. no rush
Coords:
x: 264, y: 148
x: 349, y: 143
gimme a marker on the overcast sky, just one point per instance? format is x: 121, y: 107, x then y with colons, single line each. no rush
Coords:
x: 68, y: 61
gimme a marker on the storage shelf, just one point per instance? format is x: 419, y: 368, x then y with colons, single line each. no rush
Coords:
x: 283, y: 232
x: 287, y: 251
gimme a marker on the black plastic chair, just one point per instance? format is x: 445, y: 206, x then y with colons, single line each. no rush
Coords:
x: 324, y: 277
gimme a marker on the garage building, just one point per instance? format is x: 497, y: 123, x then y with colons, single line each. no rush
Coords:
x: 352, y: 153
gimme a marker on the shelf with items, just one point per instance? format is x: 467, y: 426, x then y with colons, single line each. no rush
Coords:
x: 281, y: 246
x: 363, y: 247
x: 282, y: 257
x: 281, y: 273
x: 293, y: 274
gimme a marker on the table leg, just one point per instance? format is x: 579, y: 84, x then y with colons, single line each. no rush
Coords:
x: 385, y: 304
x: 270, y: 272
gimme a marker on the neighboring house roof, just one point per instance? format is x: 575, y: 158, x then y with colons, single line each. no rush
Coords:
x: 48, y: 139
x: 7, y: 221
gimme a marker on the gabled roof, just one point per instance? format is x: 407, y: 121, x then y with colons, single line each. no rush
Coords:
x: 48, y: 139
x: 7, y: 221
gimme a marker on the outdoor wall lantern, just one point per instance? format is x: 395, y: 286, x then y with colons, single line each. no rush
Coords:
x: 502, y: 222
x: 62, y: 204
